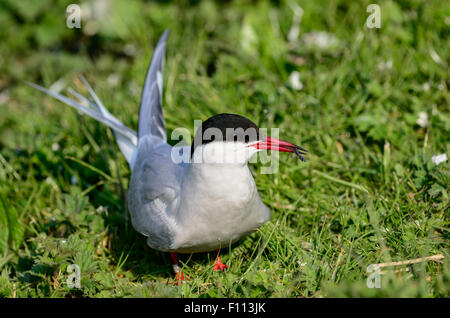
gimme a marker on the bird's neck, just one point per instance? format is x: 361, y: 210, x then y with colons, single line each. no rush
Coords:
x: 212, y: 170
x: 220, y: 178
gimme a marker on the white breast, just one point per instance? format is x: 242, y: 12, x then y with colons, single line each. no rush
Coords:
x: 219, y: 205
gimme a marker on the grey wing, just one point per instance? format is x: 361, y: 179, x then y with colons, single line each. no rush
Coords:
x: 153, y: 195
x: 151, y: 119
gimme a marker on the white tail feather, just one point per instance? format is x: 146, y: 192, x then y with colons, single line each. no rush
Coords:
x: 125, y: 137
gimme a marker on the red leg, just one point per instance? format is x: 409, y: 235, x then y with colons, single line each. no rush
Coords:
x: 218, y: 265
x: 179, y: 276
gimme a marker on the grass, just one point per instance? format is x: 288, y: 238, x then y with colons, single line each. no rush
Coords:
x: 368, y: 194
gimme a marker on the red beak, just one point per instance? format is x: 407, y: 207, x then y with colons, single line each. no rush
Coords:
x: 279, y: 145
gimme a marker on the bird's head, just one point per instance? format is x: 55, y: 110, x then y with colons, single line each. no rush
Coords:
x: 234, y: 139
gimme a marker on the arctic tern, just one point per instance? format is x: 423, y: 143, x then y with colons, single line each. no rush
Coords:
x: 201, y: 204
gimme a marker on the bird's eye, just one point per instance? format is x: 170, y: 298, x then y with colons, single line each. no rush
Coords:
x: 247, y: 138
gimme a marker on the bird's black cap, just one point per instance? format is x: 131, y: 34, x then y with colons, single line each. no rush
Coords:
x: 226, y: 127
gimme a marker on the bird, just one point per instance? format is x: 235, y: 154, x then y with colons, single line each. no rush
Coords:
x: 186, y: 199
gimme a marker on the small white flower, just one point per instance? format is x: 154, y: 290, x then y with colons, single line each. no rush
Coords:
x: 4, y: 96
x: 321, y: 40
x: 423, y: 121
x: 294, y: 31
x: 387, y: 65
x: 91, y: 28
x: 426, y: 87
x: 439, y: 159
x: 55, y: 146
x: 436, y: 58
x: 294, y: 81
x: 130, y: 49
x: 249, y: 39
x: 74, y: 180
x: 114, y: 79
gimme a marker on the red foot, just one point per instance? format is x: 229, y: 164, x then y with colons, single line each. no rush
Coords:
x: 218, y: 265
x: 179, y: 278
